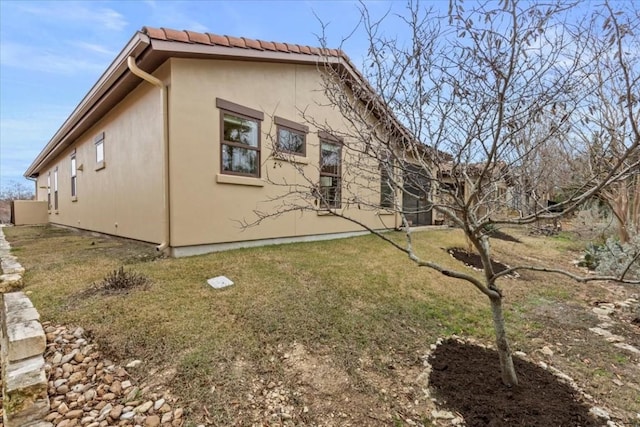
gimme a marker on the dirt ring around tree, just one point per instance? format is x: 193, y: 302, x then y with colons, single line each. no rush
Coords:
x: 464, y: 381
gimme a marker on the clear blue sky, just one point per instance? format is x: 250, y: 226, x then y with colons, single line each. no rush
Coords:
x: 52, y: 52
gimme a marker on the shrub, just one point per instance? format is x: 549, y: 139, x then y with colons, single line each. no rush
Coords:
x: 614, y: 257
x: 121, y: 280
x: 591, y: 257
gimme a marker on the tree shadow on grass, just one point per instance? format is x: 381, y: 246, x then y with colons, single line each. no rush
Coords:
x: 474, y: 260
x: 501, y: 235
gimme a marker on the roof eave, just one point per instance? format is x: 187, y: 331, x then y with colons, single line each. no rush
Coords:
x: 194, y: 50
x: 138, y: 43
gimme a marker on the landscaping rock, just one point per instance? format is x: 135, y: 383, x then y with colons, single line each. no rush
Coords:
x: 152, y: 421
x: 442, y: 415
x: 547, y: 351
x: 144, y: 407
x: 603, y: 312
x: 600, y: 413
x: 627, y: 347
x: 87, y: 390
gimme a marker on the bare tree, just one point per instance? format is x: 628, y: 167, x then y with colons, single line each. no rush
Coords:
x: 13, y: 191
x: 16, y: 191
x: 611, y: 124
x: 449, y: 121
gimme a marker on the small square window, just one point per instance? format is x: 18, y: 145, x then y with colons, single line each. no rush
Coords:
x: 290, y: 141
x: 291, y: 137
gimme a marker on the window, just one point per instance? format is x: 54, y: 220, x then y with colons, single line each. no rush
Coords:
x: 99, y: 142
x: 330, y: 171
x: 240, y: 139
x: 292, y: 137
x: 49, y: 191
x: 74, y: 172
x: 453, y: 189
x: 55, y: 188
x: 386, y: 188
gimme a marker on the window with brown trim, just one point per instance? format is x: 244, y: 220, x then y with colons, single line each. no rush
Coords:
x: 49, y: 190
x: 74, y: 175
x: 239, y: 139
x: 99, y: 143
x: 292, y: 137
x: 330, y: 172
x: 386, y: 188
x: 55, y: 188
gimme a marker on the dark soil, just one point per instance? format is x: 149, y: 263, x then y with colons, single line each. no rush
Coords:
x: 466, y: 379
x: 474, y: 260
x: 501, y: 235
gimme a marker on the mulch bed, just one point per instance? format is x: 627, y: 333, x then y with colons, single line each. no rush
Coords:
x: 474, y: 260
x: 466, y: 379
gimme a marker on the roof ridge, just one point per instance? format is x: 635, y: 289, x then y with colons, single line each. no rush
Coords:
x: 194, y: 37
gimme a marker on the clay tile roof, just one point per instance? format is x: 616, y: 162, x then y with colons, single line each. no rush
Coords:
x: 252, y: 44
x: 293, y: 48
x: 180, y: 36
x: 195, y: 37
x: 279, y: 51
x: 241, y: 42
x: 236, y: 42
x: 281, y: 47
x: 267, y: 45
x: 154, y: 33
x: 219, y: 40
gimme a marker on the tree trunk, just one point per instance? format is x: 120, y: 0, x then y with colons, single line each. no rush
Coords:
x: 509, y: 377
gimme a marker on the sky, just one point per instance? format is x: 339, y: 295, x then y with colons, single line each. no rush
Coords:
x: 52, y: 52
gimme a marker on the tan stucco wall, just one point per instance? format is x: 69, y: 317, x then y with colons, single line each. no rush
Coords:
x: 125, y: 197
x: 204, y: 211
x: 29, y: 212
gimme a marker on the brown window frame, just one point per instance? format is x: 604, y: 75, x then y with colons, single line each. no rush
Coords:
x: 99, y: 141
x: 291, y: 127
x: 55, y: 188
x: 74, y: 175
x: 386, y: 199
x: 327, y: 138
x: 49, y: 190
x: 246, y: 113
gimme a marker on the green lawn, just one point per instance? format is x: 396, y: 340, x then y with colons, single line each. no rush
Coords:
x: 357, y: 306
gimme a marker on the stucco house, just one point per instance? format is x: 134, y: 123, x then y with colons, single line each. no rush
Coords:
x: 169, y: 146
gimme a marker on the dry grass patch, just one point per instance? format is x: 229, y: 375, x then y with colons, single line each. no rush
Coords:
x: 357, y: 309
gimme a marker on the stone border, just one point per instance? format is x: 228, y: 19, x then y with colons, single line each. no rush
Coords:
x: 22, y: 345
x: 12, y: 271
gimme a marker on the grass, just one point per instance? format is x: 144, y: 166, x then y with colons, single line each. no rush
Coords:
x: 356, y: 302
x: 569, y: 241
